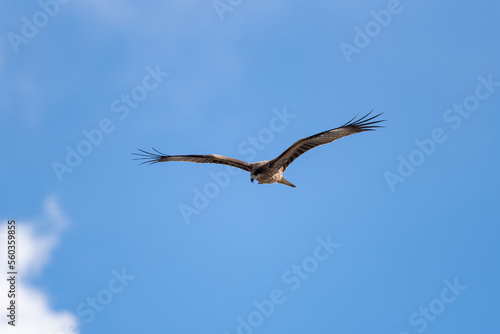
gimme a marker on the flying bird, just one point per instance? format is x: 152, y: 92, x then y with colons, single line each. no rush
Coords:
x: 271, y: 171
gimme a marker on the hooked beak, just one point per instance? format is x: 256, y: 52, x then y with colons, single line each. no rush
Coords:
x: 252, y: 179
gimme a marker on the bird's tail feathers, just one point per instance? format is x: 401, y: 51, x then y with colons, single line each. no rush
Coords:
x: 285, y: 181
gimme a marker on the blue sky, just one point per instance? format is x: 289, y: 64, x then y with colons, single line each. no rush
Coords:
x: 392, y: 231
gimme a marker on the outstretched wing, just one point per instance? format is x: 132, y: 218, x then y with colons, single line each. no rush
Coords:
x: 152, y: 158
x: 305, y: 144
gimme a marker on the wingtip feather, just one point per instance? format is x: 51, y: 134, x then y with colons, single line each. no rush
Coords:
x: 149, y: 157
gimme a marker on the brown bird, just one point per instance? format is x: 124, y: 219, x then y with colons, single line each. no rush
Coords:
x: 271, y: 171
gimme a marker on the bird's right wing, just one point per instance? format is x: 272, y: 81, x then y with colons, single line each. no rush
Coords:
x: 152, y: 158
x: 303, y: 145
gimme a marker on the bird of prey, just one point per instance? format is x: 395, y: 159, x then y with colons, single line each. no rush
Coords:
x: 271, y: 171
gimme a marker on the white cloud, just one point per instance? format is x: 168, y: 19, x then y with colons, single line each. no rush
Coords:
x: 36, y: 240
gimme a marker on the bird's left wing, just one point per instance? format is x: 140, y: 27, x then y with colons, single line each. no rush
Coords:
x: 303, y: 145
x: 152, y: 158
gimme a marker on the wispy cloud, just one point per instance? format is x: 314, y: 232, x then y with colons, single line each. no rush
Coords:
x: 37, y: 239
x: 119, y: 14
x: 2, y: 54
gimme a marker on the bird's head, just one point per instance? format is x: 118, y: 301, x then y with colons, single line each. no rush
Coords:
x: 253, y: 177
x: 255, y: 174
